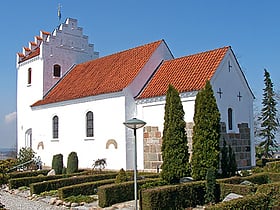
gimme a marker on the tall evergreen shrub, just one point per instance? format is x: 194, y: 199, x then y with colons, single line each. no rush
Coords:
x: 72, y: 163
x: 175, y: 144
x: 57, y: 163
x: 206, y: 133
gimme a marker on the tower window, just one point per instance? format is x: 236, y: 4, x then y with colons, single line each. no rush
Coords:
x: 55, y: 127
x: 56, y: 70
x: 89, y: 124
x: 29, y: 74
x: 230, y: 118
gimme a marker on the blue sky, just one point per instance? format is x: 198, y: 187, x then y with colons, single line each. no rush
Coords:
x: 251, y: 27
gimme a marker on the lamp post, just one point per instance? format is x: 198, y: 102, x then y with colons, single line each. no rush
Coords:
x: 134, y: 124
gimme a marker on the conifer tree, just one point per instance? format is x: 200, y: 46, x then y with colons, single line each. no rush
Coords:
x: 210, y: 187
x: 231, y: 162
x: 225, y: 160
x: 175, y: 145
x: 268, y: 118
x: 206, y: 133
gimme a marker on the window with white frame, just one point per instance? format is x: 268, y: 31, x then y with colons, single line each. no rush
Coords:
x: 89, y: 124
x: 55, y: 127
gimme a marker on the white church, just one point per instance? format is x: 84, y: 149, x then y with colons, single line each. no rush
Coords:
x: 69, y: 99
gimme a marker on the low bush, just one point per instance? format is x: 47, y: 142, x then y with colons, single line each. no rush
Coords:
x: 174, y: 196
x: 273, y: 191
x: 20, y: 174
x: 116, y: 193
x: 261, y: 178
x: 37, y: 188
x: 88, y: 188
x: 26, y: 181
x: 72, y: 163
x: 57, y: 163
x: 251, y: 202
x: 225, y: 189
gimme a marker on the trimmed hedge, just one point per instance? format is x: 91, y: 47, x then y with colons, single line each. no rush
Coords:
x: 26, y: 181
x: 251, y: 202
x: 17, y: 174
x: 88, y: 188
x: 260, y: 178
x: 244, y: 190
x: 37, y: 188
x: 174, y: 196
x: 117, y: 193
x: 273, y: 167
x: 273, y: 191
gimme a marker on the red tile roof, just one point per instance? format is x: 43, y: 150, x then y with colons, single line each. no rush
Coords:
x: 186, y: 74
x: 104, y: 75
x: 33, y: 54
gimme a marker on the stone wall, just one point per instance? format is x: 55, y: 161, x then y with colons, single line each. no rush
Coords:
x: 240, y: 143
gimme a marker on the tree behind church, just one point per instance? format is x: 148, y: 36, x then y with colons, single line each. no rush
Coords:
x: 175, y: 144
x: 268, y: 118
x: 206, y: 133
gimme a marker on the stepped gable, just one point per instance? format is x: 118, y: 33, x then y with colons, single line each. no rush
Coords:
x: 186, y: 74
x: 104, y: 75
x: 33, y: 49
x: 70, y: 28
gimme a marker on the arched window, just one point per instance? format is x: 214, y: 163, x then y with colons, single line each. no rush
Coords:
x: 56, y: 70
x: 55, y: 127
x: 29, y: 76
x: 89, y: 124
x: 230, y: 118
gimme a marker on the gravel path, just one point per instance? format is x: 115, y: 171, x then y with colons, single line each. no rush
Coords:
x: 19, y: 201
x: 15, y: 202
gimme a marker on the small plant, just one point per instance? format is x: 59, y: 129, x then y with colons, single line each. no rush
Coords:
x: 80, y: 198
x: 99, y: 164
x: 49, y: 193
x: 72, y: 163
x: 23, y: 188
x: 121, y: 177
x: 210, y: 185
x: 57, y: 163
x: 25, y: 158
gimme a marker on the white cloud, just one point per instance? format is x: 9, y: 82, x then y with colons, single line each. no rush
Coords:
x: 11, y: 117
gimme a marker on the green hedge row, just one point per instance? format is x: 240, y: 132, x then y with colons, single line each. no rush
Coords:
x: 174, y: 196
x: 37, y: 188
x: 14, y: 175
x: 88, y: 188
x: 26, y: 181
x: 251, y: 202
x: 225, y: 189
x: 117, y: 193
x: 260, y: 178
x: 273, y: 190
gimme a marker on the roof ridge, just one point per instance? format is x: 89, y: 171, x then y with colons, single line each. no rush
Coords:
x: 132, y: 48
x: 204, y: 52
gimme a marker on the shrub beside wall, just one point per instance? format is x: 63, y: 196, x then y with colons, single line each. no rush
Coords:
x: 37, y: 188
x: 173, y: 196
x: 252, y: 202
x: 88, y: 188
x: 117, y: 193
x: 72, y: 163
x: 57, y: 163
x: 244, y: 190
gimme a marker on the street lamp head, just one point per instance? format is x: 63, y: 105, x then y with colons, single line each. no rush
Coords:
x: 134, y: 123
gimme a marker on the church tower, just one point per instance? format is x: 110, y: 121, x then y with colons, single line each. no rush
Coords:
x: 42, y: 64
